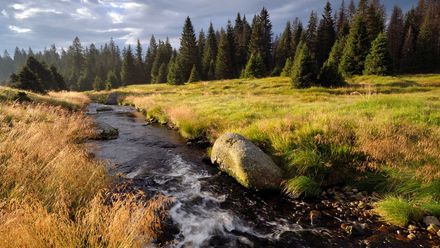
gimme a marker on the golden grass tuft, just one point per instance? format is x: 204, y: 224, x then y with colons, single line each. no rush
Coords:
x: 53, y: 194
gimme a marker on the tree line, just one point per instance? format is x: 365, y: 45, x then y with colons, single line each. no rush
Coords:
x: 353, y: 40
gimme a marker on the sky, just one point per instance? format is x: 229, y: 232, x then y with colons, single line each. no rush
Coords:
x: 40, y: 23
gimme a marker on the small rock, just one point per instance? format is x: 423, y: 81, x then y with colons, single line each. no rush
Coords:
x: 361, y: 205
x: 434, y: 229
x: 411, y: 236
x: 354, y: 190
x: 431, y: 220
x: 245, y: 241
x: 359, y: 229
x: 104, y: 109
x: 412, y: 228
x: 315, y: 215
x: 382, y: 228
x: 104, y: 131
x: 438, y: 233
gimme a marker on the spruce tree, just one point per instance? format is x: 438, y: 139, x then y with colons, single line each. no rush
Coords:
x: 287, y: 69
x: 375, y: 21
x: 128, y: 73
x: 210, y: 53
x: 201, y: 41
x: 188, y: 52
x: 304, y: 68
x: 140, y: 66
x: 378, y: 61
x: 311, y: 34
x: 27, y: 80
x: 194, y: 77
x: 283, y: 49
x: 223, y: 69
x: 356, y: 49
x: 329, y: 74
x: 426, y: 45
x: 112, y: 81
x: 326, y: 36
x: 149, y: 58
x: 172, y: 77
x: 255, y: 67
x: 342, y: 22
x: 395, y: 37
x: 408, y: 52
x: 59, y: 82
x: 98, y: 84
x: 297, y: 35
x: 261, y: 38
x: 163, y: 73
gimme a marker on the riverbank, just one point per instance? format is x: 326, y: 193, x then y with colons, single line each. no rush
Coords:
x: 378, y: 134
x: 52, y: 191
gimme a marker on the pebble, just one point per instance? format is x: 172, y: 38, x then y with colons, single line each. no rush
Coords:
x: 412, y: 228
x: 431, y: 220
x: 361, y: 205
x: 245, y: 241
x: 315, y: 215
x: 438, y: 233
x: 434, y: 229
x: 411, y: 236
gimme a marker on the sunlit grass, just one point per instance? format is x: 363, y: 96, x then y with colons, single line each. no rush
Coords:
x: 53, y: 193
x: 398, y: 211
x: 387, y: 126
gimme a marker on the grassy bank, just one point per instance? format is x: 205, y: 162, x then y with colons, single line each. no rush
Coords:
x: 52, y: 193
x: 378, y: 133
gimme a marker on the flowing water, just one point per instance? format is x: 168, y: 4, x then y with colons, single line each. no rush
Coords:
x: 209, y: 208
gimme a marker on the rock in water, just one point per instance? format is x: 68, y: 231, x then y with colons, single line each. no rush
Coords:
x: 428, y: 220
x: 104, y: 109
x: 104, y: 131
x: 247, y: 163
x: 112, y: 99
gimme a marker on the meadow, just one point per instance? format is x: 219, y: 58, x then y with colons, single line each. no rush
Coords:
x: 379, y: 134
x: 53, y: 193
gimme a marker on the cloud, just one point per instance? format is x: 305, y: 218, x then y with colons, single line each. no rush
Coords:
x: 19, y: 30
x: 31, y: 12
x: 5, y: 14
x: 116, y: 18
x: 83, y: 13
x: 18, y: 6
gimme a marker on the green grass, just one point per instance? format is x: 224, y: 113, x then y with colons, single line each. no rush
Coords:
x: 398, y: 211
x: 376, y: 131
x: 302, y: 186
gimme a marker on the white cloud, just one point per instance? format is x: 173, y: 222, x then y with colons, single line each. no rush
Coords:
x: 84, y: 13
x: 18, y: 6
x: 116, y: 18
x: 128, y: 5
x: 5, y: 14
x: 31, y: 12
x: 19, y: 30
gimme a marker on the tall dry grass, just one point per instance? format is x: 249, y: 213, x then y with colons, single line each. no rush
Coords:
x: 53, y: 194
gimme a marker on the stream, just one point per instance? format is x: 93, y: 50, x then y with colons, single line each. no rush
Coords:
x: 209, y: 208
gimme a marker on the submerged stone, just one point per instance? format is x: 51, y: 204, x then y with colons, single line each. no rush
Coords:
x: 104, y: 131
x: 247, y: 163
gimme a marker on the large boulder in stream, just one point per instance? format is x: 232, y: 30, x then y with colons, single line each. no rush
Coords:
x: 104, y: 131
x: 112, y: 99
x: 247, y: 163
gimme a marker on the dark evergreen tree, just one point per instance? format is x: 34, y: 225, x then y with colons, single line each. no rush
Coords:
x: 149, y: 58
x: 287, y: 69
x: 223, y: 69
x: 163, y: 72
x: 261, y: 38
x: 375, y: 20
x: 255, y: 67
x: 27, y: 80
x: 140, y: 66
x: 378, y: 61
x: 112, y: 81
x: 297, y: 35
x: 427, y: 42
x: 188, y: 52
x: 201, y: 42
x: 356, y: 49
x: 311, y: 34
x: 194, y: 77
x: 342, y: 22
x: 98, y: 84
x: 395, y: 37
x: 283, y: 49
x: 210, y: 53
x: 128, y: 73
x: 408, y: 52
x: 304, y: 68
x: 59, y: 82
x: 326, y: 36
